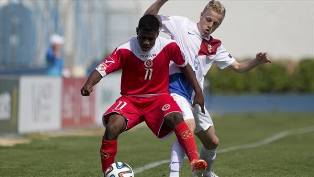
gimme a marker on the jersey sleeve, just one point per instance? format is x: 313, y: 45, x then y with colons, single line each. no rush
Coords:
x: 176, y: 55
x: 171, y: 24
x: 223, y: 58
x: 110, y: 64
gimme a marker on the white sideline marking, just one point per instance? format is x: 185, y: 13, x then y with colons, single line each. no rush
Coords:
x: 268, y: 140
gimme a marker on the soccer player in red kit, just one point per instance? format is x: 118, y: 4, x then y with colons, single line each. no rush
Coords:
x: 144, y: 61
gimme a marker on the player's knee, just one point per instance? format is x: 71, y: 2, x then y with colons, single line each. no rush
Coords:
x: 115, y: 126
x: 215, y: 142
x: 173, y: 119
x: 210, y: 142
x: 113, y: 131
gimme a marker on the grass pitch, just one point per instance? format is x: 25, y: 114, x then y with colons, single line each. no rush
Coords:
x: 290, y: 155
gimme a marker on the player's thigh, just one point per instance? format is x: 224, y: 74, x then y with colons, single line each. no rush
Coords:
x: 203, y: 121
x: 123, y: 107
x: 191, y: 124
x: 117, y: 121
x: 115, y: 125
x: 186, y: 109
x: 163, y: 107
x: 184, y: 105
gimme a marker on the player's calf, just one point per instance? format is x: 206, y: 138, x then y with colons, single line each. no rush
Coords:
x: 115, y: 125
x: 108, y: 151
x: 186, y: 139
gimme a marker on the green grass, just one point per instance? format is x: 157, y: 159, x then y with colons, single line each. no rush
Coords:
x: 77, y: 156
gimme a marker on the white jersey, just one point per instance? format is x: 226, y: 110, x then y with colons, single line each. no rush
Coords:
x: 199, y: 52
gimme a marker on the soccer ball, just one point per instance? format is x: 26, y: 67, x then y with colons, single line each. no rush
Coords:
x: 119, y: 169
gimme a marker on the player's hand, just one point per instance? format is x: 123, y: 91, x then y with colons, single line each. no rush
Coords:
x: 199, y: 99
x: 86, y: 90
x: 262, y: 58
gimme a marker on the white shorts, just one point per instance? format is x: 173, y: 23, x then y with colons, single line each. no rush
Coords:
x: 202, y: 121
x: 184, y: 105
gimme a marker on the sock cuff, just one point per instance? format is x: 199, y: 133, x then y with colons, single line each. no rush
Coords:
x: 109, y: 142
x: 181, y: 125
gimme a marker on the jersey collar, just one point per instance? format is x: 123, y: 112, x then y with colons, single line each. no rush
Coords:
x: 193, y: 30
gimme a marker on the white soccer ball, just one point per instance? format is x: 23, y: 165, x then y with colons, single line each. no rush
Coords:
x: 119, y: 169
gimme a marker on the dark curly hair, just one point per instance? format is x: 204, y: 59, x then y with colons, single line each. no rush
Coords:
x: 149, y: 23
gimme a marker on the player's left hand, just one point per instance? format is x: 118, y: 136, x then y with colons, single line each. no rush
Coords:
x: 199, y: 99
x: 262, y: 58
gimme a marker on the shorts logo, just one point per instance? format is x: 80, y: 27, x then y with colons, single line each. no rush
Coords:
x: 186, y: 134
x: 165, y: 107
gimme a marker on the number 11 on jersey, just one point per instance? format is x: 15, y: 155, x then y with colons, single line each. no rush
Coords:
x: 148, y: 74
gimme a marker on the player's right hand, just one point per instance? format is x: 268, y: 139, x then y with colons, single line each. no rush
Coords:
x: 85, y: 90
x: 199, y: 100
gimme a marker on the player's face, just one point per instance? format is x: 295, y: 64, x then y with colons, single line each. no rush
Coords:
x: 146, y: 39
x: 209, y: 22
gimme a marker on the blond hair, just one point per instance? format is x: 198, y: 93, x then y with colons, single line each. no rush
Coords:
x: 216, y: 6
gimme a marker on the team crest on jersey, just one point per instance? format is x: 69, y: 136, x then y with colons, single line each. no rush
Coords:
x: 165, y: 107
x: 148, y: 63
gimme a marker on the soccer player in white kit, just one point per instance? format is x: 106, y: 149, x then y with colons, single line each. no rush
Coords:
x: 202, y: 51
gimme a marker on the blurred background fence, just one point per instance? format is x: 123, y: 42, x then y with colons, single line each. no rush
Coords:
x: 88, y: 26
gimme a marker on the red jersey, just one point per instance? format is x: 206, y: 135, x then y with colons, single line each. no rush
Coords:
x: 143, y: 73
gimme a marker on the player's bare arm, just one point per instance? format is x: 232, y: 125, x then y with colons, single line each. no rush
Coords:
x: 155, y: 7
x: 92, y: 80
x: 261, y: 58
x: 190, y: 76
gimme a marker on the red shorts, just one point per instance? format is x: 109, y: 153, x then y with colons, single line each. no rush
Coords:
x: 152, y: 110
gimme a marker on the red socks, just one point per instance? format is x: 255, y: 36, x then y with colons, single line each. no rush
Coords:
x: 186, y: 139
x: 108, y: 151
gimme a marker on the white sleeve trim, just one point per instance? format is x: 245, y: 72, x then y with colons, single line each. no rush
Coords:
x: 228, y: 64
x: 101, y: 72
x: 184, y: 64
x: 223, y: 59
